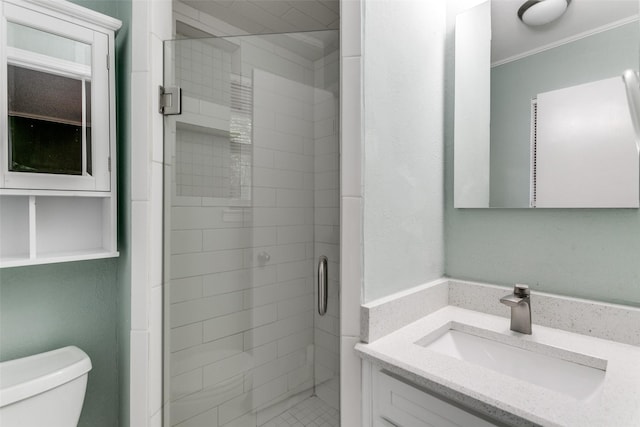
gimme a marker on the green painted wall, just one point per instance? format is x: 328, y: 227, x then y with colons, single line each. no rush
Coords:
x: 123, y: 113
x: 51, y: 306
x: 514, y: 84
x: 578, y: 252
x: 83, y: 303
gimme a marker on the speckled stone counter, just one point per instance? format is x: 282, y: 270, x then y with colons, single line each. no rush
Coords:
x: 505, y: 398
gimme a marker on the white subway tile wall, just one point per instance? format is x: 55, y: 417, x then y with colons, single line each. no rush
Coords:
x: 203, y: 70
x: 241, y: 316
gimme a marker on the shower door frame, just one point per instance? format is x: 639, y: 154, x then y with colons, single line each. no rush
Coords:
x: 168, y: 190
x: 141, y: 356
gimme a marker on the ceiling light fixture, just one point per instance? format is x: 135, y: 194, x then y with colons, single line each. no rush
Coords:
x: 540, y: 12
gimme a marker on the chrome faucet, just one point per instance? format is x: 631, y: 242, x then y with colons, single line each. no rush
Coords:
x: 520, y: 303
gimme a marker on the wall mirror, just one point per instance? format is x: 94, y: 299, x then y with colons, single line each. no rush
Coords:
x: 544, y: 114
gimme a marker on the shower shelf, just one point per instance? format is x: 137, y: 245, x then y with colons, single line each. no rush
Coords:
x: 204, y: 114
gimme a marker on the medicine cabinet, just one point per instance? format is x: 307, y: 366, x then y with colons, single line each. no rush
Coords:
x: 57, y: 133
x: 544, y: 118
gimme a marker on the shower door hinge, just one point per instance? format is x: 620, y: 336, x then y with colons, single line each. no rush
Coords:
x: 169, y: 100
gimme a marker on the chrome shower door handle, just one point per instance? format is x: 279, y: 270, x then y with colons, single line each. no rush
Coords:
x: 322, y: 285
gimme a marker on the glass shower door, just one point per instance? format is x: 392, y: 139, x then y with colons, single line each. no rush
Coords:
x: 251, y: 204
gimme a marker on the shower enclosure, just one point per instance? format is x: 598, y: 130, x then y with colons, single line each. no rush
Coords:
x: 251, y: 208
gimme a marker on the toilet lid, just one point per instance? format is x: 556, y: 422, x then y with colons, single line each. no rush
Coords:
x: 28, y: 376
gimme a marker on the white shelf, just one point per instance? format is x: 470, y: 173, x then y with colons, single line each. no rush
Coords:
x: 49, y: 229
x: 52, y: 193
x: 53, y: 258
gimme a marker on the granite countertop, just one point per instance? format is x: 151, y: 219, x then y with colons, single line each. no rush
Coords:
x: 506, y: 398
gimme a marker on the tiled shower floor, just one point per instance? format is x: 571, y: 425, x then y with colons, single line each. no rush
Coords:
x: 312, y: 412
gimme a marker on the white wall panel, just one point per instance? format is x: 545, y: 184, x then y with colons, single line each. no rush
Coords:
x: 472, y: 148
x: 586, y: 148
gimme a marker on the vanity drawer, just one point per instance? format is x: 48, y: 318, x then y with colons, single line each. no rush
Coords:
x: 396, y: 403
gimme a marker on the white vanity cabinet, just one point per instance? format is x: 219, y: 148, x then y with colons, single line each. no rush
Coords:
x: 57, y: 133
x: 396, y: 403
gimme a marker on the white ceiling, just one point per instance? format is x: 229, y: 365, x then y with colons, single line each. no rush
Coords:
x: 511, y: 37
x: 273, y: 16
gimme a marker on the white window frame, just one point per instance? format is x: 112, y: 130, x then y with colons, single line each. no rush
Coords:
x: 101, y: 101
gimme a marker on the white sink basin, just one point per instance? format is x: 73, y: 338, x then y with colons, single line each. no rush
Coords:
x: 540, y: 364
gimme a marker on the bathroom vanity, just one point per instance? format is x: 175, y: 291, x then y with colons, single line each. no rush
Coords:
x: 445, y: 355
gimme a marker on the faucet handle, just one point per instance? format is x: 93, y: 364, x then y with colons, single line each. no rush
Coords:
x: 521, y: 291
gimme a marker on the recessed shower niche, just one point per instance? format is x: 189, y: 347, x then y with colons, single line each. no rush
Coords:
x: 210, y: 142
x: 209, y: 163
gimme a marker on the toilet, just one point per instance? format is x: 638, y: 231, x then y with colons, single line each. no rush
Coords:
x: 45, y: 389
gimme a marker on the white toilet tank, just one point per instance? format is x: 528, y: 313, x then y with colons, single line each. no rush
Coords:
x: 45, y: 389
